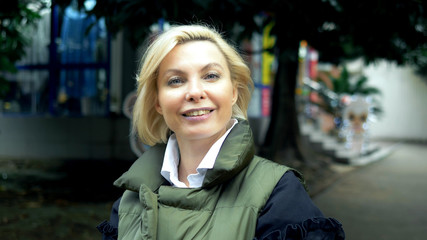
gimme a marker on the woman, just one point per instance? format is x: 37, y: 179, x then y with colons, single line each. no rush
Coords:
x: 201, y: 179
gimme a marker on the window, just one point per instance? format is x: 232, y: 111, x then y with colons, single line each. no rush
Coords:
x: 66, y: 70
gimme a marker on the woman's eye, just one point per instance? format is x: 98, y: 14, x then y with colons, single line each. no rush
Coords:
x: 174, y: 81
x: 212, y: 76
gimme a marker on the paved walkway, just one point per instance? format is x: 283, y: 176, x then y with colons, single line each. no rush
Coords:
x: 386, y: 199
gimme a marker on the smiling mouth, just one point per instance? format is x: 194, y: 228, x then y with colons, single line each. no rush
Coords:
x: 197, y: 113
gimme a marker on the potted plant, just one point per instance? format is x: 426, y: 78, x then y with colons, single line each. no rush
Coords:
x: 357, y: 107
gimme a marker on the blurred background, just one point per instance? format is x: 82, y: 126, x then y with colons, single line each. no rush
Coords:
x: 339, y: 86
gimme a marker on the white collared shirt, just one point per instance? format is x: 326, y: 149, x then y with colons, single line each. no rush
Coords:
x: 171, y: 161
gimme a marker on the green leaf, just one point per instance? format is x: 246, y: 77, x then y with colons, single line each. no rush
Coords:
x: 7, y: 65
x: 370, y: 91
x: 4, y: 87
x: 360, y: 83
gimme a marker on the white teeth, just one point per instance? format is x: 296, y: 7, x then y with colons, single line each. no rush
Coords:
x: 197, y: 113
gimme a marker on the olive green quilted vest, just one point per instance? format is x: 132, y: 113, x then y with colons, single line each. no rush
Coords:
x: 225, y: 207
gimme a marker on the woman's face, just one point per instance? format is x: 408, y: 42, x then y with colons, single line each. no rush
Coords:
x: 195, y: 92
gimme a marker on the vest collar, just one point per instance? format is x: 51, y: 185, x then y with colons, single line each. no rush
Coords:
x: 235, y: 154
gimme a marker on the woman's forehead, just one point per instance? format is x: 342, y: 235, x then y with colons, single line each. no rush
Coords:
x: 204, y: 54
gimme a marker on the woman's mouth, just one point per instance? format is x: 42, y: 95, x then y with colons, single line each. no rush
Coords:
x: 197, y: 113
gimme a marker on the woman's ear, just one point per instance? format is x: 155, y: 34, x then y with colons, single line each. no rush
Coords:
x: 158, y: 108
x: 235, y: 94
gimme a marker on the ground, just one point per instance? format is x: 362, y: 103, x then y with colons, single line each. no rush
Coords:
x: 67, y: 199
x: 383, y: 200
x: 51, y: 199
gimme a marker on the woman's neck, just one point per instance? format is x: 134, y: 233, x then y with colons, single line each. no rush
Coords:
x: 192, y: 153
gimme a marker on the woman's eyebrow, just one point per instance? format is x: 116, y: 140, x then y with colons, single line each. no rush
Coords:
x: 212, y: 65
x: 172, y: 71
x: 180, y: 72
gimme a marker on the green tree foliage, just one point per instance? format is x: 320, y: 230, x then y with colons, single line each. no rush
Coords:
x: 395, y: 30
x: 15, y: 18
x: 136, y: 16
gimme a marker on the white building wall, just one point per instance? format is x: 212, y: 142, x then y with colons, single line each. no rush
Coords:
x: 404, y: 102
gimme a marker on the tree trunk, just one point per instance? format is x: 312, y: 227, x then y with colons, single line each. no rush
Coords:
x: 283, y: 135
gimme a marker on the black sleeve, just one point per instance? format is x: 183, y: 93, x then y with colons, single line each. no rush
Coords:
x: 109, y: 229
x: 290, y: 214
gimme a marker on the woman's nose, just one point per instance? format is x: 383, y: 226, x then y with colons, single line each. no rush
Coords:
x: 195, y: 92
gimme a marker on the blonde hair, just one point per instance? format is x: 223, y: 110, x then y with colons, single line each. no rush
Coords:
x: 147, y: 122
